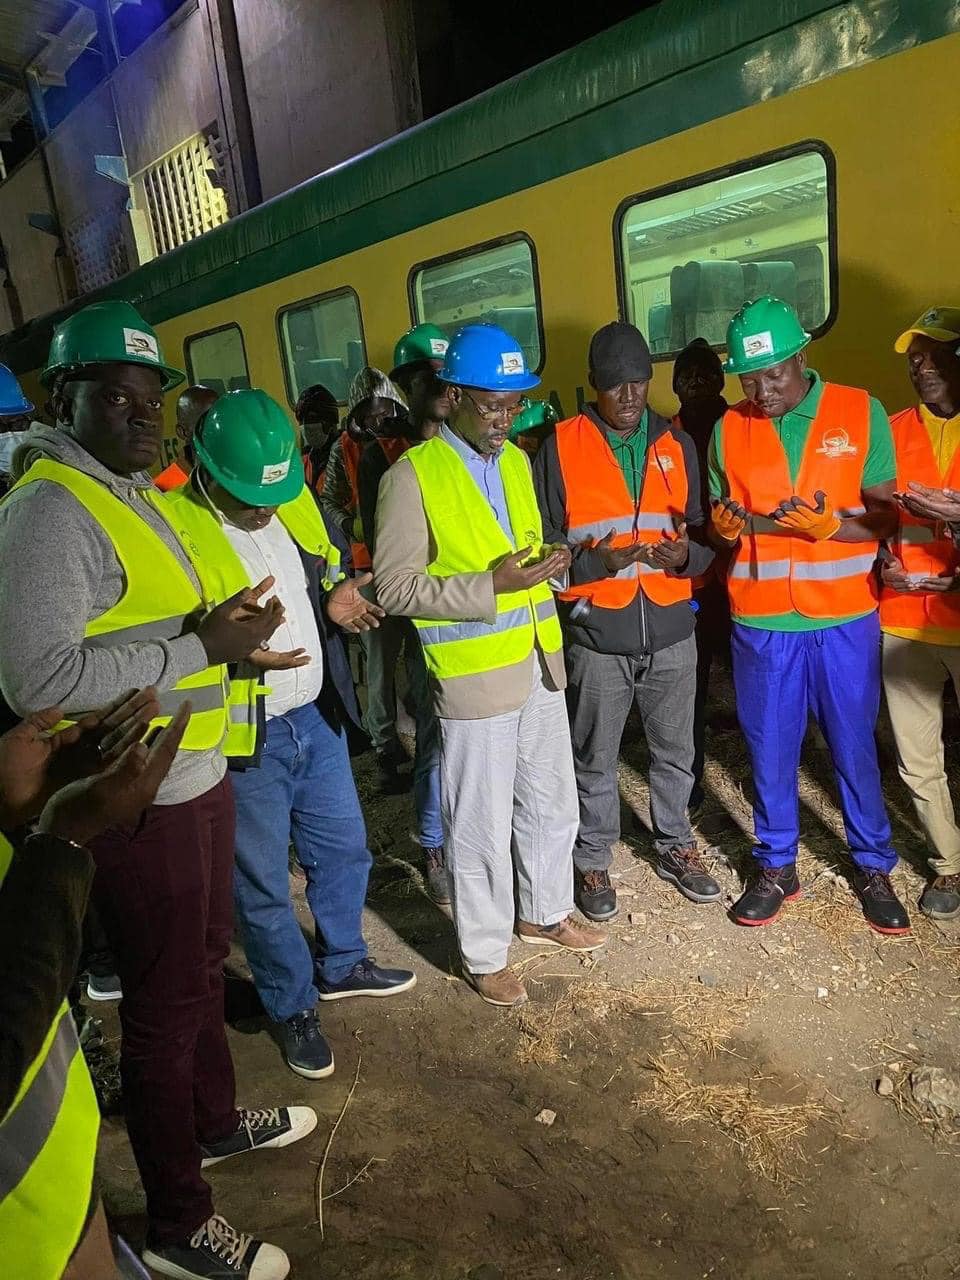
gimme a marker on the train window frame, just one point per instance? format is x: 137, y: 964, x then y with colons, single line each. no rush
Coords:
x: 327, y: 295
x: 807, y: 146
x: 207, y: 333
x: 497, y: 242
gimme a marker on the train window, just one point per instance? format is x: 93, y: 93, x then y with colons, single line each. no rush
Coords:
x: 322, y: 341
x: 496, y: 282
x: 217, y: 359
x: 690, y: 256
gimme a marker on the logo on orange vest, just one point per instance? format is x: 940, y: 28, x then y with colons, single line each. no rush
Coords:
x: 666, y: 463
x: 836, y: 443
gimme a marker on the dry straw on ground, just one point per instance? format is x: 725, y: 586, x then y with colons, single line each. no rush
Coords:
x: 768, y: 1135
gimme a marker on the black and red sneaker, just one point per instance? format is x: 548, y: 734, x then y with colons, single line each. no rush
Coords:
x: 765, y: 894
x: 882, y: 908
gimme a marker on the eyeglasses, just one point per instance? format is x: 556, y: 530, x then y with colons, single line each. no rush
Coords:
x: 487, y: 414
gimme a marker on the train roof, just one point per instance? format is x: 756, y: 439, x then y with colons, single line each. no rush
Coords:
x: 666, y: 69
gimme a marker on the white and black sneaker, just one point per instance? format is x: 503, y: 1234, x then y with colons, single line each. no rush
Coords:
x: 268, y: 1127
x: 216, y: 1251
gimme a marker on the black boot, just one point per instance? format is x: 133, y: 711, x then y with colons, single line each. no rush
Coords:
x: 596, y: 896
x: 765, y: 894
x: 940, y: 900
x: 392, y: 781
x: 685, y: 869
x: 882, y: 908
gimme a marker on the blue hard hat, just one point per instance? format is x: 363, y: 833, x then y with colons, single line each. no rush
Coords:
x: 486, y: 356
x: 12, y: 400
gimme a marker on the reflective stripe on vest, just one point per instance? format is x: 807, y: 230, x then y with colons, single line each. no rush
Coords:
x: 157, y: 595
x: 921, y: 546
x: 599, y: 502
x: 772, y: 570
x: 48, y: 1145
x: 469, y: 539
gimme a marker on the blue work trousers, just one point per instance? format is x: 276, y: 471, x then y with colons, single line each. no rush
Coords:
x: 426, y: 760
x: 302, y: 790
x: 781, y: 677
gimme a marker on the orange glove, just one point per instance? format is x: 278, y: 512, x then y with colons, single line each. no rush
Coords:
x: 798, y: 516
x: 728, y: 519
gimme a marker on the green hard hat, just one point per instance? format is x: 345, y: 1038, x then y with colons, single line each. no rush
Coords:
x: 106, y: 333
x: 422, y: 342
x: 247, y: 444
x: 537, y: 413
x: 763, y: 333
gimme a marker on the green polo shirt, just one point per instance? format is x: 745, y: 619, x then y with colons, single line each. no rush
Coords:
x: 630, y: 452
x: 793, y: 429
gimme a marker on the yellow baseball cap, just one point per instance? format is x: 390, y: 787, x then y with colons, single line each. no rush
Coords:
x: 942, y: 324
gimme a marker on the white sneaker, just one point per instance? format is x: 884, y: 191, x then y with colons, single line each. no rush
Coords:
x: 268, y: 1127
x: 216, y: 1251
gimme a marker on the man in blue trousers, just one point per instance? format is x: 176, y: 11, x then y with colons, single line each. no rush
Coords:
x: 802, y: 474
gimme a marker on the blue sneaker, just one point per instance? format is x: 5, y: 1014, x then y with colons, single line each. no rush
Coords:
x: 367, y: 979
x: 304, y: 1047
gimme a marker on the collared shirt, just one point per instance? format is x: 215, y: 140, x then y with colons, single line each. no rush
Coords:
x: 629, y: 450
x: 486, y: 475
x: 793, y: 428
x: 272, y: 552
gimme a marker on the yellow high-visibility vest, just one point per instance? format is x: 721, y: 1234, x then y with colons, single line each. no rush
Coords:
x: 48, y: 1144
x: 469, y: 540
x: 158, y: 598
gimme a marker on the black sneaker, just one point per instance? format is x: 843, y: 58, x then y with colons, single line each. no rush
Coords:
x: 392, y: 781
x: 305, y: 1048
x: 438, y: 882
x: 104, y: 987
x: 596, y: 896
x: 269, y: 1127
x: 766, y: 893
x: 367, y: 979
x: 685, y: 869
x: 882, y: 908
x: 940, y: 900
x: 216, y: 1252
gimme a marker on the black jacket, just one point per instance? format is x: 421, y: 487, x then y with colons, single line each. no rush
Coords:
x: 642, y: 627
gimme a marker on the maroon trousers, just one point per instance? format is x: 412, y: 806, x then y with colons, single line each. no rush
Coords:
x: 164, y: 891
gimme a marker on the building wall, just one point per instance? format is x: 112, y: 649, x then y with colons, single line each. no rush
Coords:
x: 326, y: 79
x: 30, y: 253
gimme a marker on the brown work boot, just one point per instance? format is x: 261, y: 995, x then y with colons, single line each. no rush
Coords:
x: 502, y: 988
x: 568, y: 933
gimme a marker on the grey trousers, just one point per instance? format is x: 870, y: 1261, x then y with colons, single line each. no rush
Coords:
x: 509, y: 803
x: 600, y: 691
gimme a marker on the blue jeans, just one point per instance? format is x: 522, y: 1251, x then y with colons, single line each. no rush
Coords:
x: 781, y: 677
x: 304, y: 790
x: 426, y: 761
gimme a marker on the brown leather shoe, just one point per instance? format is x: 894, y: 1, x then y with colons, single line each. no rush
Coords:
x: 502, y: 988
x: 568, y: 933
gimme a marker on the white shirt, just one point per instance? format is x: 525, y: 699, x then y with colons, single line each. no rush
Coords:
x: 271, y: 552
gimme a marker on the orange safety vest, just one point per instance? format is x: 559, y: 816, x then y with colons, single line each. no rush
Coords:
x: 172, y: 477
x: 772, y: 571
x: 394, y: 447
x: 921, y: 546
x: 598, y: 501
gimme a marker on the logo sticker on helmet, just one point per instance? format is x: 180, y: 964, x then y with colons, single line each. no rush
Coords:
x: 758, y: 344
x: 512, y: 361
x: 138, y: 343
x: 438, y: 346
x: 275, y: 472
x: 835, y: 443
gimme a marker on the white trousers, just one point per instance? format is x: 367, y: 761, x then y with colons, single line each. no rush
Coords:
x: 509, y: 803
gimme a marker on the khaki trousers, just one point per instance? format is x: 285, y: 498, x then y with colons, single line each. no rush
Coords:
x: 914, y: 676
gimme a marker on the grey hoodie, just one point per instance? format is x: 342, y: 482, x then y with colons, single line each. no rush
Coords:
x: 58, y: 571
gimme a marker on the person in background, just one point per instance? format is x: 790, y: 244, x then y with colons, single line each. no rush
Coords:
x: 125, y: 610
x: 77, y: 780
x: 318, y: 416
x: 460, y: 550
x: 621, y: 487
x: 247, y: 502
x: 417, y: 358
x: 698, y: 385
x: 192, y: 404
x: 15, y: 411
x: 920, y: 601
x: 802, y: 476
x: 535, y: 422
x: 373, y: 405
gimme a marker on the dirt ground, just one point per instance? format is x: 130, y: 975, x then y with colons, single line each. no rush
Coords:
x: 714, y: 1088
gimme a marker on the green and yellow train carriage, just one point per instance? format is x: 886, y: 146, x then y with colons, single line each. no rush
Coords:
x: 690, y: 158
